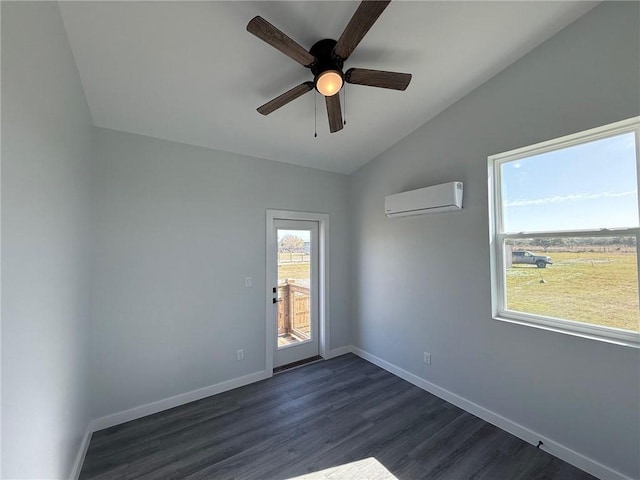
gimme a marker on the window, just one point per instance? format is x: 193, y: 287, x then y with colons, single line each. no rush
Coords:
x: 564, y: 234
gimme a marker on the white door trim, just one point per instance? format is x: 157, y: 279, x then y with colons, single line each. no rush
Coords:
x: 323, y: 279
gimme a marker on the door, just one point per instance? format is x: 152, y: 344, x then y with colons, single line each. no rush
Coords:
x: 295, y: 291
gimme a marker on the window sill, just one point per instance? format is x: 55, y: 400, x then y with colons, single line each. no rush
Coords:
x: 576, y: 329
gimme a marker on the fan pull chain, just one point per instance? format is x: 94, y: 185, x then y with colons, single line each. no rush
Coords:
x: 344, y: 101
x: 315, y: 115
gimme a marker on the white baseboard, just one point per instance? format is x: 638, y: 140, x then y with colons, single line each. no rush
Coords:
x: 336, y: 352
x: 82, y: 452
x: 175, y: 401
x: 554, y: 448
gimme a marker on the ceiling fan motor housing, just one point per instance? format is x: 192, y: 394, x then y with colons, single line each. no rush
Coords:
x: 326, y: 60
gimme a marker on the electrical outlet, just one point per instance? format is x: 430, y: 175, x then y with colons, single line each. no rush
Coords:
x: 247, y: 281
x: 240, y: 354
x: 427, y: 358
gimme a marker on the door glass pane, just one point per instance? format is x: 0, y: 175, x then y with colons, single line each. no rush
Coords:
x: 294, y: 286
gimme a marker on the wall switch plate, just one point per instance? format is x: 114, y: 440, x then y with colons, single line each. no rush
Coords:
x: 247, y: 281
x: 240, y: 354
x: 427, y: 358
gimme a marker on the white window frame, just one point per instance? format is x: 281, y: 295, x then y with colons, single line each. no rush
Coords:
x: 498, y: 238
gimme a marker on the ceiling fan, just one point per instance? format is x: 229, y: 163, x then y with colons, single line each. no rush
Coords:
x: 326, y: 58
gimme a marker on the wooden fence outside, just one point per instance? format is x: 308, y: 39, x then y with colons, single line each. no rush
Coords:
x: 294, y: 310
x: 293, y: 257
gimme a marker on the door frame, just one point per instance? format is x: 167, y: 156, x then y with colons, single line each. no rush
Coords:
x: 272, y: 272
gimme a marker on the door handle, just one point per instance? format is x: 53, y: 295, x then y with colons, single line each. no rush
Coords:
x: 276, y: 300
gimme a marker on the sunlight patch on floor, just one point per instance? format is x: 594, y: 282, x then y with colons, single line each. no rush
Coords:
x: 366, y: 469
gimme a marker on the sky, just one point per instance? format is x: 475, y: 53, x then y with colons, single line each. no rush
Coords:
x: 589, y: 186
x: 303, y: 234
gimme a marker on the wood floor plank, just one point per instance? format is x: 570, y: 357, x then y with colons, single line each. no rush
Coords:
x: 343, y: 416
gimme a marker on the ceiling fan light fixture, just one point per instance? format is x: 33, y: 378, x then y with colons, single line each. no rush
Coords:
x: 329, y: 82
x: 326, y: 60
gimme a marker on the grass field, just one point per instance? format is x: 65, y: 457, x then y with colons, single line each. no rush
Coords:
x: 297, y: 270
x: 599, y: 288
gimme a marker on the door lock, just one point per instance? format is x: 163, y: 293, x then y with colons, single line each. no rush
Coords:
x: 276, y: 300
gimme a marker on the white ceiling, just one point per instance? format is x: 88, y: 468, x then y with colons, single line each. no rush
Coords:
x: 190, y: 72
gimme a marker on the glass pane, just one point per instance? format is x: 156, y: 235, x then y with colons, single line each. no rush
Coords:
x: 294, y: 283
x: 585, y: 279
x: 584, y: 187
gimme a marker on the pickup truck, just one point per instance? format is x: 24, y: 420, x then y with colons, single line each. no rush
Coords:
x: 523, y: 256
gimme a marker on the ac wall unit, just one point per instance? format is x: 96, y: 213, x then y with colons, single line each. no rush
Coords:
x: 438, y: 198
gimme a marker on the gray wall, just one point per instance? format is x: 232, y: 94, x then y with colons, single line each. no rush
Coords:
x: 423, y: 283
x: 178, y: 228
x: 175, y: 229
x: 46, y: 159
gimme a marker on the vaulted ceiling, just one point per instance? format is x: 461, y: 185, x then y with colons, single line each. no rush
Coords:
x: 190, y: 72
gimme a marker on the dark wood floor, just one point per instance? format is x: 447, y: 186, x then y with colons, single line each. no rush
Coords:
x: 311, y: 419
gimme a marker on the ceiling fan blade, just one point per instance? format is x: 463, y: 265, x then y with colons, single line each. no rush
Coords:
x: 285, y: 98
x: 364, y: 18
x: 277, y: 39
x: 334, y: 112
x: 378, y: 78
